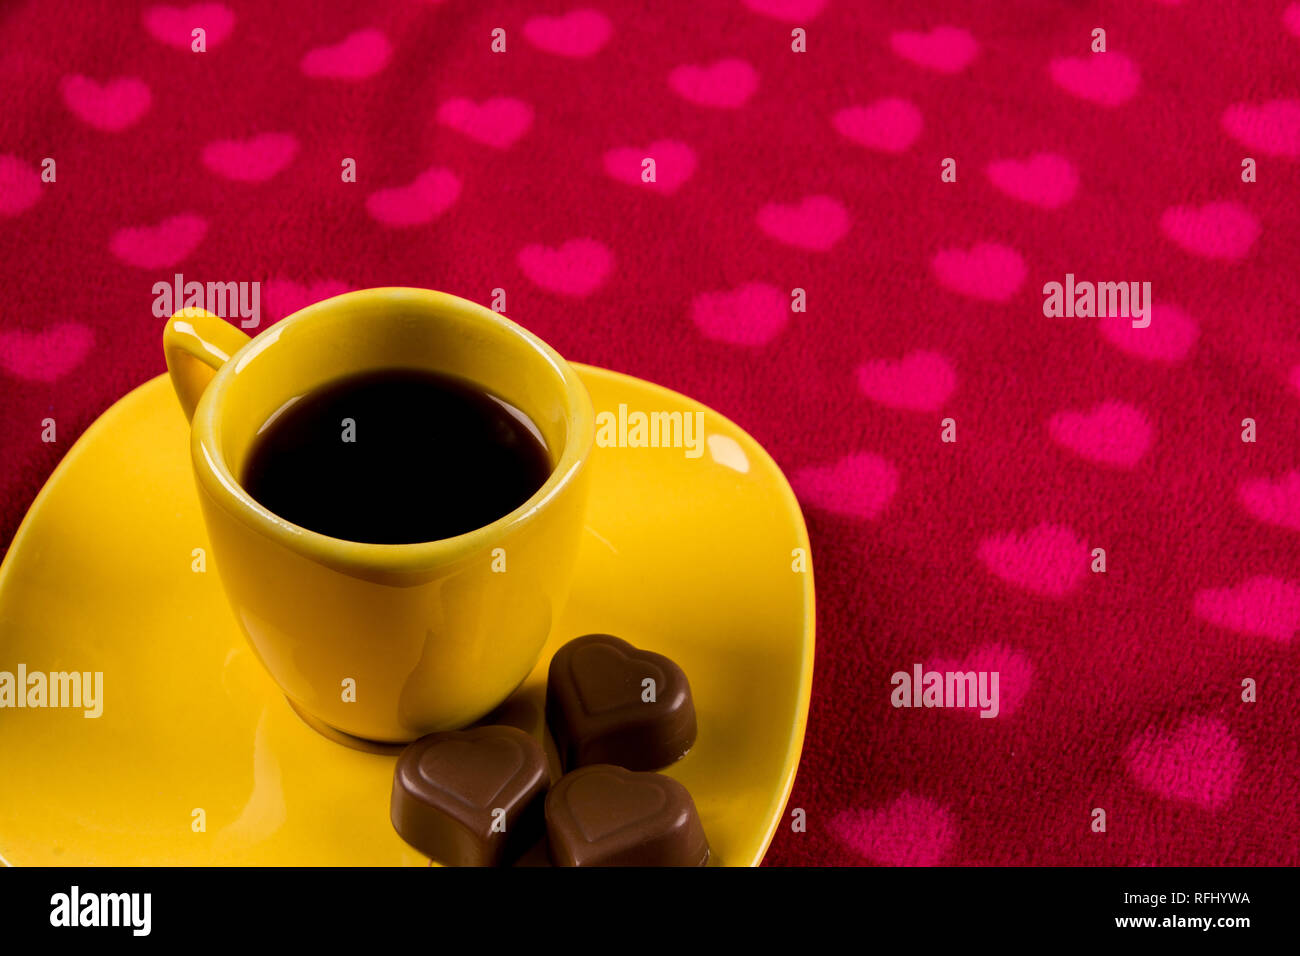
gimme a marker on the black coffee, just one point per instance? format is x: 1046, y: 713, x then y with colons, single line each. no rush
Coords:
x: 395, y: 457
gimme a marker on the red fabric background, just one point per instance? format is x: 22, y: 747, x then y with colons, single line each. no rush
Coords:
x: 1120, y: 690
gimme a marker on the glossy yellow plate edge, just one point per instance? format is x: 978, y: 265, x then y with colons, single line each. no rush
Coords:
x: 795, y: 750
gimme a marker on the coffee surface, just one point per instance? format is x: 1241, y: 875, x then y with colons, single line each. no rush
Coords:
x: 396, y: 457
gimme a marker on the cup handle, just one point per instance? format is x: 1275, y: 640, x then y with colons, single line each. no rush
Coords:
x: 196, y: 343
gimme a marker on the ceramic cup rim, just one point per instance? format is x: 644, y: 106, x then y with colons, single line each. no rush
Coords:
x: 218, y: 480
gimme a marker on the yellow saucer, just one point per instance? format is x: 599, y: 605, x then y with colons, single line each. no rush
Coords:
x: 198, y: 758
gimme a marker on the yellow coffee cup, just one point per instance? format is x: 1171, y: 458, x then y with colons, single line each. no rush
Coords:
x: 384, y: 642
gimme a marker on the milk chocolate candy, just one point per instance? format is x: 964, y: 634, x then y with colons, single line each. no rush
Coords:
x: 608, y: 702
x: 471, y: 797
x: 603, y: 815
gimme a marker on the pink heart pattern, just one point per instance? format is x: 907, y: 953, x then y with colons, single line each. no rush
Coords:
x: 1107, y: 79
x: 1198, y: 762
x: 1113, y: 433
x: 909, y: 831
x: 921, y: 381
x: 159, y: 246
x: 20, y: 185
x: 815, y: 223
x: 45, y: 356
x: 724, y: 85
x: 1169, y: 338
x: 577, y: 268
x: 357, y: 56
x: 1045, y: 180
x: 112, y: 106
x: 751, y: 314
x: 859, y: 486
x: 1272, y: 128
x: 175, y: 25
x: 498, y: 122
x: 945, y: 49
x: 252, y: 160
x: 1217, y: 230
x: 1273, y: 502
x: 889, y: 125
x: 1015, y: 674
x: 787, y: 9
x: 988, y: 270
x: 430, y: 195
x: 578, y: 33
x: 1261, y: 606
x: 1049, y: 560
x: 674, y: 164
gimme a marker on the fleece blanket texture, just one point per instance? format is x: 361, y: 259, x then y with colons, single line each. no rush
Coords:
x: 854, y: 212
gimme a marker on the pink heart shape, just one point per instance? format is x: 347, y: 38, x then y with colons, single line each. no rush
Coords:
x: 497, y: 122
x: 578, y: 33
x: 1262, y: 606
x: 920, y: 381
x: 577, y: 268
x: 1217, y: 230
x: 251, y: 160
x: 1273, y: 502
x: 357, y: 56
x: 945, y: 49
x: 674, y: 164
x: 1107, y: 79
x: 1272, y: 128
x: 160, y: 246
x: 989, y: 271
x: 889, y: 125
x: 112, y: 106
x: 175, y: 25
x: 909, y: 831
x: 787, y: 9
x: 45, y: 356
x: 1045, y: 180
x: 726, y: 84
x: 285, y: 297
x: 815, y: 223
x: 20, y: 185
x: 1112, y: 433
x: 859, y: 486
x: 1048, y: 560
x: 751, y: 314
x: 1015, y: 674
x: 430, y: 195
x: 1169, y: 338
x: 1198, y: 762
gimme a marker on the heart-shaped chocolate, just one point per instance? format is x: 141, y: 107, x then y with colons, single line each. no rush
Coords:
x: 605, y: 677
x: 599, y: 708
x: 471, y: 797
x: 472, y: 772
x: 603, y: 804
x: 603, y: 815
